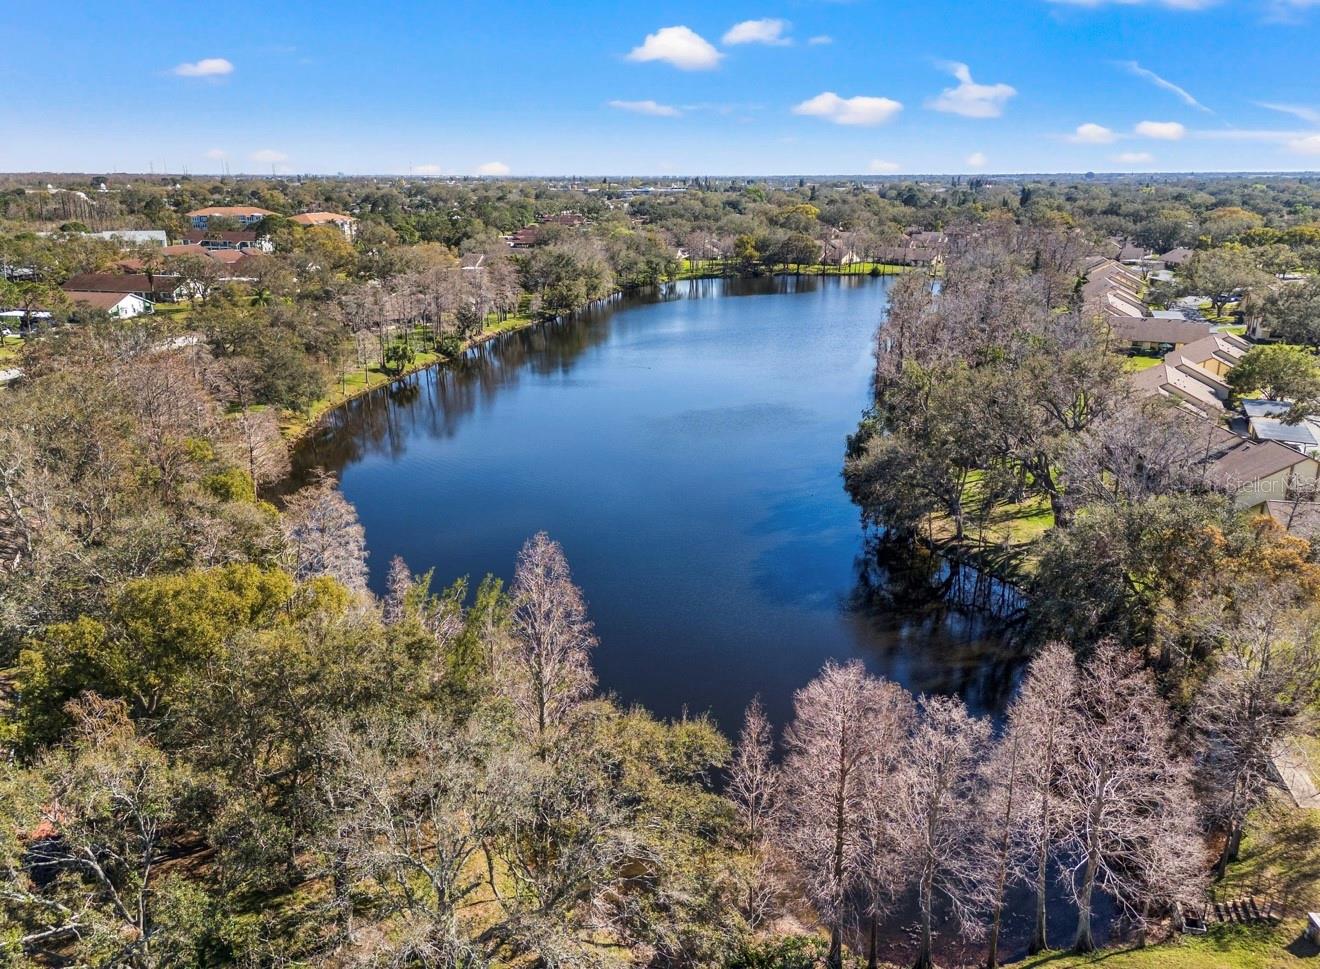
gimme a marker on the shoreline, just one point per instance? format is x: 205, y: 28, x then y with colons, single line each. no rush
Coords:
x: 295, y: 430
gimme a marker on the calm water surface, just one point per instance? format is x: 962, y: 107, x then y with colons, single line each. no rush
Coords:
x: 685, y: 448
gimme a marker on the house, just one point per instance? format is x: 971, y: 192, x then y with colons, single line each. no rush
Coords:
x: 1111, y: 288
x: 245, y: 215
x: 1166, y: 380
x: 1214, y: 353
x: 120, y: 305
x: 1132, y: 254
x: 1263, y: 407
x: 524, y: 238
x: 1300, y: 436
x: 1176, y: 258
x: 133, y: 237
x: 1298, y: 517
x: 344, y: 223
x: 1255, y: 472
x: 152, y: 287
x: 569, y: 220
x: 227, y: 239
x: 1153, y: 334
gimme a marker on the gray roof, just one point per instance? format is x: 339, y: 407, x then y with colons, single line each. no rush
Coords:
x: 1274, y: 429
x: 1254, y: 407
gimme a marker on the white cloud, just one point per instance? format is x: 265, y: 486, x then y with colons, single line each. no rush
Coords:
x: 969, y: 99
x: 1308, y: 114
x: 879, y: 166
x: 206, y: 67
x: 680, y: 46
x: 269, y: 156
x: 647, y: 107
x: 1092, y: 134
x: 1134, y: 157
x: 1287, y: 11
x: 427, y: 169
x: 1132, y: 67
x: 820, y: 40
x: 1162, y: 130
x: 493, y: 168
x: 767, y: 30
x: 852, y: 111
x: 1308, y: 145
x: 976, y: 159
x: 216, y: 153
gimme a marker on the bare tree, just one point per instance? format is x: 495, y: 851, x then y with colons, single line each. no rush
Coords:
x: 81, y: 871
x: 398, y: 586
x: 411, y: 815
x: 324, y: 535
x: 1264, y: 683
x: 552, y: 640
x: 1040, y: 723
x: 753, y: 777
x: 936, y: 817
x: 883, y: 866
x: 829, y: 748
x: 1128, y: 820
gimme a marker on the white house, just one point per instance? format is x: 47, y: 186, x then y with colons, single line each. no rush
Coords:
x: 120, y: 305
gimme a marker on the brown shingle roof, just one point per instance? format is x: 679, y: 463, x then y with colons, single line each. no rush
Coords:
x: 1151, y: 329
x: 100, y: 301
x: 120, y: 283
x: 1249, y: 461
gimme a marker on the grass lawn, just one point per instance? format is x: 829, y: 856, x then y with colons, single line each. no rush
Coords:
x: 1004, y: 543
x: 1280, y: 860
x: 713, y: 267
x: 11, y: 348
x: 1225, y: 947
x: 353, y: 383
x: 1140, y: 361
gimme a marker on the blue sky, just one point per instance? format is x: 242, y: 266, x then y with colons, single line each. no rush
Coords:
x: 798, y: 86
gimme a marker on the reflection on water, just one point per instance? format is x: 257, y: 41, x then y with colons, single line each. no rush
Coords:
x: 685, y: 447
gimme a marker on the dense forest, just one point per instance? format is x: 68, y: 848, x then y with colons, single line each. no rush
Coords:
x: 222, y: 749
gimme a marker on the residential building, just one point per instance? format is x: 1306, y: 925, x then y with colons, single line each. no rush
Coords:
x: 1300, y: 436
x: 1214, y: 353
x: 245, y: 215
x: 1176, y: 258
x: 227, y: 239
x: 1166, y: 380
x: 120, y: 305
x: 138, y: 237
x: 1150, y: 334
x: 1255, y: 472
x: 344, y: 223
x: 152, y: 287
x: 1296, y: 516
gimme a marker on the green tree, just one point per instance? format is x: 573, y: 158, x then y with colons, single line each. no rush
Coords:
x: 1280, y: 372
x: 1220, y: 274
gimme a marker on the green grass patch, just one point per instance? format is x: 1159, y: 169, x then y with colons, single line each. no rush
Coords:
x: 353, y: 383
x: 708, y: 268
x: 1137, y: 362
x: 1224, y: 947
x: 11, y: 349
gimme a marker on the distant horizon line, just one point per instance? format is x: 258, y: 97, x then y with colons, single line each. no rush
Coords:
x: 862, y: 176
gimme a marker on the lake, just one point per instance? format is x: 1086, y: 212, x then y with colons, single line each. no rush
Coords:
x: 685, y: 447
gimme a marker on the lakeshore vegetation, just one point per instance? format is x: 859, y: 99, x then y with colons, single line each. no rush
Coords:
x: 223, y: 749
